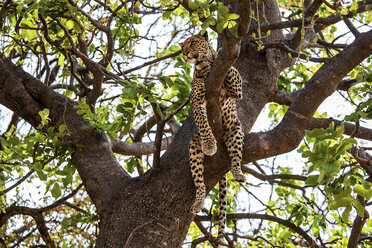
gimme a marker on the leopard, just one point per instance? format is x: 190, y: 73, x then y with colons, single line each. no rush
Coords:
x: 197, y: 50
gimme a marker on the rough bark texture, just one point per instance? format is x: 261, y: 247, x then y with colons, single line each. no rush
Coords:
x: 154, y: 209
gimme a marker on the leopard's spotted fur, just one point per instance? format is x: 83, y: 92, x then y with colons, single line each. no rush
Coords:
x: 197, y: 50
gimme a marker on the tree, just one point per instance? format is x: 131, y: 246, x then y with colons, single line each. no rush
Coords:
x: 82, y: 102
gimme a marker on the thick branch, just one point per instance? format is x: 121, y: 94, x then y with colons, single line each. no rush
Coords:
x: 288, y: 134
x: 93, y: 158
x: 37, y: 215
x: 357, y: 226
x: 138, y: 148
x: 308, y: 15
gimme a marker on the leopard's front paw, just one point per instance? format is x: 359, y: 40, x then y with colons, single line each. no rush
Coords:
x: 209, y: 146
x: 240, y: 177
x: 197, y: 206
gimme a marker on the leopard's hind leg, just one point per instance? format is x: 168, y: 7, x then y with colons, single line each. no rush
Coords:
x: 234, y: 143
x: 196, y: 158
x: 223, y: 204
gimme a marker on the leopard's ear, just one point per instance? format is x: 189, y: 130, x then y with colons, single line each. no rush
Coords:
x: 204, y: 35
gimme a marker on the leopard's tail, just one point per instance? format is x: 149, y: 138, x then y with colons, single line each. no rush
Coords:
x: 223, y: 205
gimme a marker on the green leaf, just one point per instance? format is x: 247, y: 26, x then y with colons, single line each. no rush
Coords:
x: 120, y: 108
x: 61, y: 60
x: 361, y: 190
x: 232, y: 16
x: 315, y: 229
x: 70, y: 24
x: 56, y: 191
x: 339, y: 202
x: 359, y: 207
x: 167, y: 14
x: 284, y: 235
x: 346, y: 213
x: 192, y: 5
x: 19, y: 7
x: 273, y: 106
x: 350, y: 141
x: 37, y: 166
x: 352, y: 117
x: 368, y: 77
x: 331, y: 167
x: 62, y: 128
x: 344, y: 11
x: 132, y: 164
x: 202, y: 3
x: 41, y: 175
x: 129, y: 93
x: 354, y: 7
x: 44, y: 113
x: 67, y: 180
x: 220, y: 26
x: 166, y: 81
x: 234, y: 29
x: 312, y: 180
x: 343, y: 148
x: 340, y: 130
x: 112, y: 134
x: 368, y: 20
x: 222, y: 9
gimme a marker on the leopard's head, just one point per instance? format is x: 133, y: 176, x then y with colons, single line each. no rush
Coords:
x: 195, y: 47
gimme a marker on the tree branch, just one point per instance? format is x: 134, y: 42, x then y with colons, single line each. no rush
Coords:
x: 362, y: 133
x: 152, y: 62
x: 294, y: 53
x: 290, y: 131
x: 26, y: 96
x: 283, y: 222
x: 308, y: 16
x: 138, y: 148
x: 357, y: 226
x: 351, y: 27
x: 226, y: 58
x: 36, y: 214
x: 271, y: 178
x: 61, y: 200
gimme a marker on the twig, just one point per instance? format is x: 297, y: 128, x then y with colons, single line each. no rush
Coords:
x: 177, y: 110
x: 74, y: 207
x: 151, y: 62
x: 294, y: 53
x: 356, y: 130
x: 62, y: 200
x: 258, y: 166
x: 158, y: 136
x: 351, y: 27
x: 283, y: 222
x: 17, y: 183
x: 27, y: 175
x: 2, y: 11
